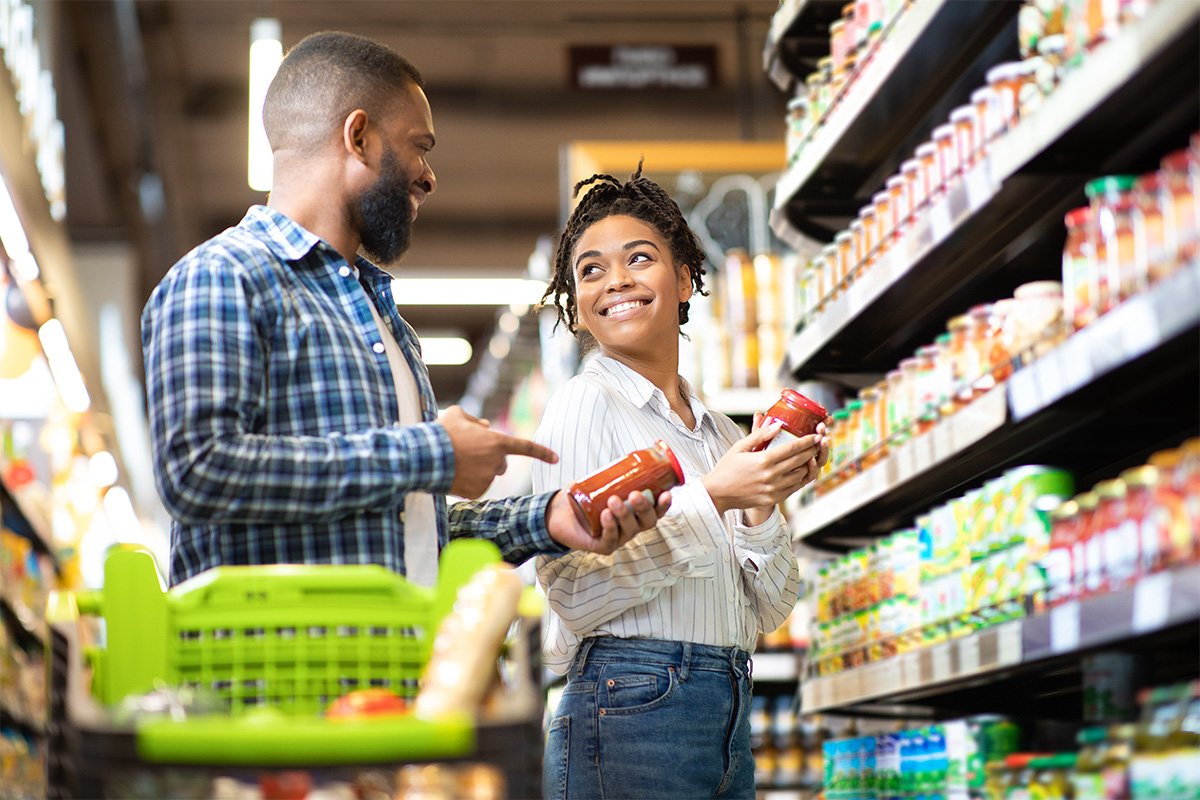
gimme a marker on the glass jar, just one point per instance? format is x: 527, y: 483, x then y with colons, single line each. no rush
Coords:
x: 797, y: 128
x: 1036, y: 317
x: 829, y: 269
x: 1058, y: 563
x: 869, y: 237
x: 910, y: 172
x: 806, y: 288
x: 869, y: 426
x: 845, y: 260
x: 654, y: 468
x: 931, y: 172
x: 985, y: 338
x: 814, y: 85
x: 1087, y: 555
x: 800, y: 417
x: 1007, y: 81
x: 1181, y: 227
x: 946, y: 142
x: 1079, y: 307
x: 1033, y: 90
x: 912, y: 369
x: 825, y: 92
x: 989, y: 116
x: 1172, y: 521
x: 1117, y: 755
x: 858, y: 249
x: 882, y: 421
x: 965, y: 144
x: 926, y: 399
x: 854, y: 444
x: 1119, y: 546
x: 839, y: 41
x: 1150, y: 262
x: 897, y: 188
x: 1140, y: 522
x: 898, y: 413
x: 960, y: 359
x: 1054, y: 52
x: 884, y: 221
x: 840, y: 441
x: 1108, y: 234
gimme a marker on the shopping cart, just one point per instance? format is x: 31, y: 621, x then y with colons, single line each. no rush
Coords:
x: 270, y: 648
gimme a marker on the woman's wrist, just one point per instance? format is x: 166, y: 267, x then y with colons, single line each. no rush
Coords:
x: 719, y: 501
x: 757, y: 516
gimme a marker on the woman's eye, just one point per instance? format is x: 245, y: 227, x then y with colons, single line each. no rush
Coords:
x: 588, y: 270
x: 638, y: 258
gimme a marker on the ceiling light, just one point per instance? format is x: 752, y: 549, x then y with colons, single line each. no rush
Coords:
x: 466, y: 291
x: 266, y: 51
x: 63, y: 367
x: 103, y: 468
x: 445, y: 350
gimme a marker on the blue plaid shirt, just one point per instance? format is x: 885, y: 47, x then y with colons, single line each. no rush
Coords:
x: 273, y: 412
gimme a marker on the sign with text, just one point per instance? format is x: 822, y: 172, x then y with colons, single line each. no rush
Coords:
x: 643, y: 66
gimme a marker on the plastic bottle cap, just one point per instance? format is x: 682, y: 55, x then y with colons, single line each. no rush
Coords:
x: 1177, y: 161
x: 963, y: 114
x: 895, y: 181
x: 1078, y: 217
x: 983, y: 94
x: 927, y: 149
x: 880, y: 197
x: 1109, y: 184
x: 911, y: 165
x: 843, y: 236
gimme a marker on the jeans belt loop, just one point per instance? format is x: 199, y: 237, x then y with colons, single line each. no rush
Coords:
x: 686, y: 661
x: 581, y: 656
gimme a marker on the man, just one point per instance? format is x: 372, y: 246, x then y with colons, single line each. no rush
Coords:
x: 292, y: 417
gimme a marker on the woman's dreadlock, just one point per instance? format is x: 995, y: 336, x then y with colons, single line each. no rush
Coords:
x: 640, y: 198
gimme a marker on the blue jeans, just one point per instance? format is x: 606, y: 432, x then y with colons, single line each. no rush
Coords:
x: 642, y: 718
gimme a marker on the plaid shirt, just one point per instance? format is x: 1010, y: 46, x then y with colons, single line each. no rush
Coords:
x: 273, y: 412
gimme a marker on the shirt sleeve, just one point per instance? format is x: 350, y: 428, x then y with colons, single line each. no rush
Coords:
x: 769, y: 569
x: 517, y: 525
x: 587, y: 589
x: 205, y: 360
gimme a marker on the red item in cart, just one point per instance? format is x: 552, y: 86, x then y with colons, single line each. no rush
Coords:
x: 654, y: 468
x: 800, y: 416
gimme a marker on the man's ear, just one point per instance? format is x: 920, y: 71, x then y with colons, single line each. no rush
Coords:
x: 354, y: 134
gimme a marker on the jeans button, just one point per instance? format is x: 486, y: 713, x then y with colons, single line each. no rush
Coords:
x: 603, y: 712
x: 611, y: 683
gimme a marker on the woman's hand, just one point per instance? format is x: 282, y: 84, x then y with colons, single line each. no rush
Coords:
x: 758, y: 481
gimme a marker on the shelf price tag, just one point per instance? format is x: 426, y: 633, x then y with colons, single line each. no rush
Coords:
x: 968, y: 654
x: 941, y: 663
x: 1152, y: 602
x: 1008, y: 646
x: 1064, y: 628
x: 940, y: 221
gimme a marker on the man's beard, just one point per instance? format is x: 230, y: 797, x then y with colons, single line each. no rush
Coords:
x: 384, y: 213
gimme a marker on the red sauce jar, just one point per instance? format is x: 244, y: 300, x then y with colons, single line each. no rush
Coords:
x: 800, y: 416
x: 655, y: 468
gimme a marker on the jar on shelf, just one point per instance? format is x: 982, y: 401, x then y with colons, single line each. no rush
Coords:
x: 985, y: 338
x: 961, y: 358
x: 1087, y: 555
x: 930, y: 175
x: 1036, y: 318
x: 1118, y: 546
x: 840, y: 44
x: 1110, y: 235
x: 925, y: 389
x: 898, y: 416
x: 897, y: 189
x: 857, y: 251
x: 1141, y: 483
x: 882, y: 421
x: 845, y: 260
x: 1181, y: 226
x: 884, y: 220
x: 1008, y: 80
x: 825, y: 88
x: 914, y: 182
x: 1058, y: 562
x: 1173, y: 522
x: 839, y: 441
x: 869, y: 434
x: 1031, y: 26
x: 989, y: 116
x: 911, y: 368
x: 1079, y: 303
x: 946, y: 142
x: 814, y: 84
x: 827, y: 275
x: 797, y: 129
x: 1150, y: 262
x: 944, y: 369
x: 869, y: 236
x: 854, y: 442
x: 1053, y: 51
x: 965, y: 143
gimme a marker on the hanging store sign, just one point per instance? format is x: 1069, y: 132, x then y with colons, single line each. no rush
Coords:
x: 643, y: 66
x: 36, y: 99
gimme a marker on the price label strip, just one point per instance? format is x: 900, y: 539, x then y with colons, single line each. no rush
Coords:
x: 1152, y: 602
x: 1064, y: 628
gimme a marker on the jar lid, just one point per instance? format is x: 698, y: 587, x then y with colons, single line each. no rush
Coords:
x: 1140, y: 477
x: 843, y: 236
x: 909, y: 165
x: 792, y: 397
x: 814, y: 77
x: 1177, y: 161
x: 797, y: 102
x: 1065, y: 510
x: 982, y: 94
x: 854, y: 405
x: 943, y: 132
x: 1165, y: 459
x: 841, y: 415
x: 961, y: 321
x: 1109, y: 184
x: 909, y: 363
x: 858, y: 223
x: 875, y: 27
x: 1054, y: 43
x: 838, y: 24
x: 881, y: 197
x: 1063, y: 761
x: 929, y: 148
x: 963, y: 114
x: 1038, y: 289
x: 1078, y: 216
x: 1006, y: 71
x: 895, y: 181
x: 895, y: 373
x: 1087, y: 501
x: 1110, y: 490
x: 868, y: 393
x: 824, y: 63
x: 867, y: 211
x: 675, y: 465
x: 1150, y: 182
x: 829, y: 249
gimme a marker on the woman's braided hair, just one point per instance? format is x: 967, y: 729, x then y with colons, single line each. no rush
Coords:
x: 640, y: 198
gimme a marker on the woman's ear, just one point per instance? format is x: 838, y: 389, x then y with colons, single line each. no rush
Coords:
x: 685, y: 283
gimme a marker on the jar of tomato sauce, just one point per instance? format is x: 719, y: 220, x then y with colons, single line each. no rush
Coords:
x: 1060, y: 571
x: 655, y: 469
x: 1085, y: 553
x: 800, y: 416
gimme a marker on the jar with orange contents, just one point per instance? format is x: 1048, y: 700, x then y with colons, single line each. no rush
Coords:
x: 944, y: 369
x: 1187, y: 478
x: 925, y: 389
x: 914, y: 186
x: 854, y: 431
x: 911, y: 369
x: 825, y: 267
x: 898, y: 417
x: 989, y: 117
x: 985, y: 338
x: 1110, y: 231
x: 869, y: 435
x: 1181, y: 228
x: 931, y: 172
x: 947, y: 155
x: 882, y: 202
x: 882, y: 420
x: 1078, y: 306
x: 1149, y: 256
x: 897, y: 188
x: 839, y: 42
x: 965, y: 144
x: 1008, y: 80
x: 845, y: 261
x: 869, y: 237
x: 959, y: 340
x: 1141, y: 483
x: 1172, y: 523
x: 857, y: 251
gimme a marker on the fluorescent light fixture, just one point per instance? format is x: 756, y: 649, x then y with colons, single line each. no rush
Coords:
x: 103, y: 469
x: 266, y: 51
x: 12, y: 233
x: 467, y: 291
x: 448, y: 351
x: 26, y: 267
x: 63, y: 367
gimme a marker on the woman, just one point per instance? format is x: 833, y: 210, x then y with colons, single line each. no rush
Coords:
x: 655, y: 638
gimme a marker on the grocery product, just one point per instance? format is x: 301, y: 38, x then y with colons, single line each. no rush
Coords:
x: 654, y: 468
x: 800, y: 417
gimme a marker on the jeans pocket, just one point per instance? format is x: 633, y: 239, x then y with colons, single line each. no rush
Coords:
x: 630, y: 688
x: 556, y: 759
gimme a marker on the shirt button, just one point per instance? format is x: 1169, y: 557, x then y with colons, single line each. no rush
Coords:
x: 377, y: 347
x: 344, y: 272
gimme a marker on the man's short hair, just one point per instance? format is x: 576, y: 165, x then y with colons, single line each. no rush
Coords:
x: 325, y: 77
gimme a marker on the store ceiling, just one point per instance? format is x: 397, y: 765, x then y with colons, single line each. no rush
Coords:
x: 155, y: 90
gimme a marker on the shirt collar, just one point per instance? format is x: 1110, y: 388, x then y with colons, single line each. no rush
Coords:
x: 292, y: 242
x: 637, y: 389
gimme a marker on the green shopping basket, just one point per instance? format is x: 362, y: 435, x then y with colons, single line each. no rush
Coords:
x: 277, y: 644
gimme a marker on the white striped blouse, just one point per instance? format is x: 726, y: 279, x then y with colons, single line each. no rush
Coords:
x: 697, y: 576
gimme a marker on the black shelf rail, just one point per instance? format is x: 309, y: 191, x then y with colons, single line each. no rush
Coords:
x: 26, y: 637
x: 1088, y: 405
x: 1121, y: 111
x: 798, y: 38
x: 1154, y: 612
x: 17, y: 519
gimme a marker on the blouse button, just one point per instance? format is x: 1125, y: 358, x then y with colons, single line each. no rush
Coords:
x: 377, y: 347
x: 344, y: 272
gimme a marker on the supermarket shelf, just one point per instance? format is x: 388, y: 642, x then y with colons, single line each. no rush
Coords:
x: 799, y: 35
x: 1139, y: 326
x: 1051, y: 409
x: 1120, y: 111
x: 776, y: 667
x: 21, y: 628
x: 888, y: 104
x: 741, y: 402
x: 1154, y: 605
x: 21, y: 722
x: 22, y: 519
